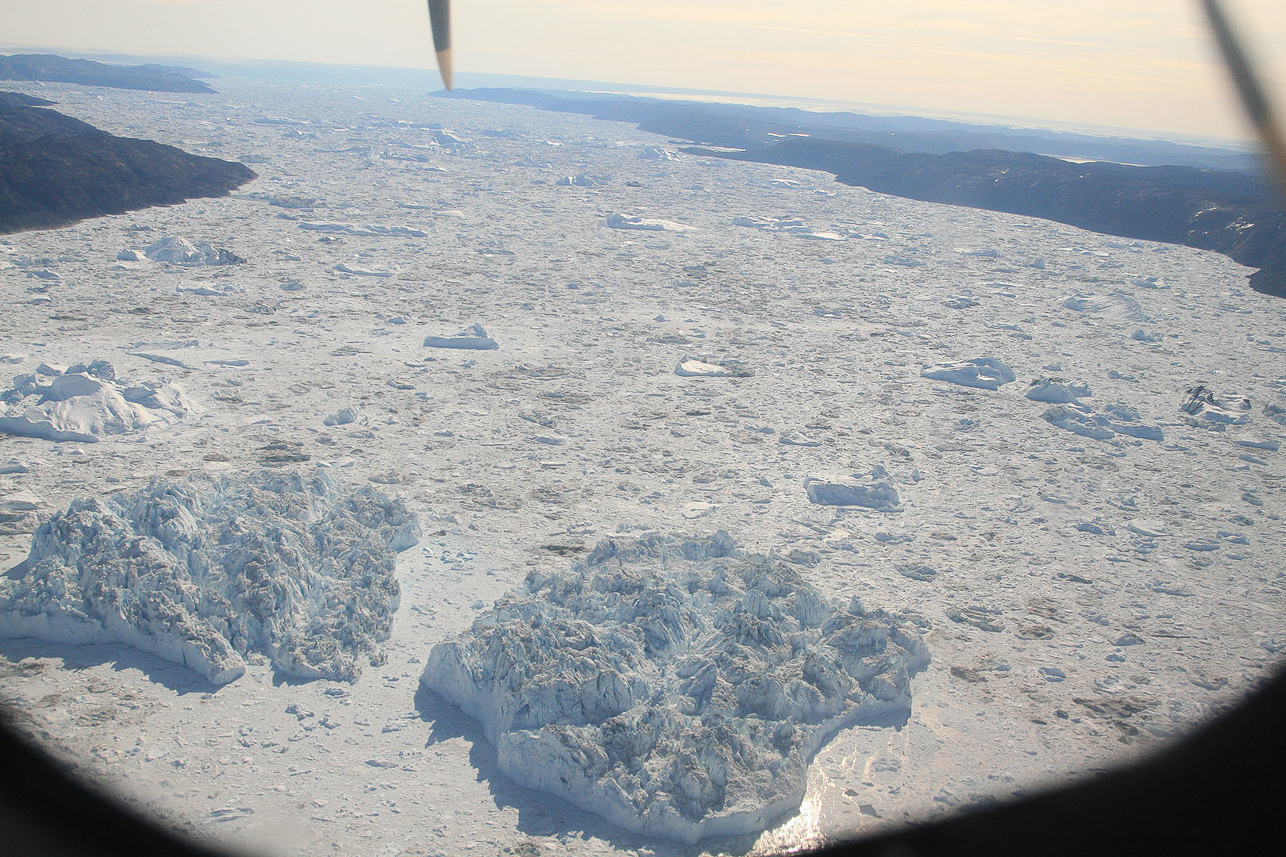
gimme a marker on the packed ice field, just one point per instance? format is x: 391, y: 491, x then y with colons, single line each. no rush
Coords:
x: 1050, y: 456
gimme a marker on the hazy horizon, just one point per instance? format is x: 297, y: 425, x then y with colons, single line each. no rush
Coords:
x: 1149, y: 68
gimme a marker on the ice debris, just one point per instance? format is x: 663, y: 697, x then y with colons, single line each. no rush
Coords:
x: 677, y: 687
x: 985, y: 373
x: 1113, y: 420
x: 85, y: 403
x: 1215, y: 411
x: 297, y: 569
x: 473, y: 337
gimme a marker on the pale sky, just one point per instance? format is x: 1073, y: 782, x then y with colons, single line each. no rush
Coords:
x: 1141, y: 64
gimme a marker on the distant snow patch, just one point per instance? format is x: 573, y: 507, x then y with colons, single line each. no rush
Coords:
x: 677, y: 687
x: 299, y: 570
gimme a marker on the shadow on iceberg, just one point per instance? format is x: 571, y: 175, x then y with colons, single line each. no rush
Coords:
x: 541, y: 813
x: 120, y: 657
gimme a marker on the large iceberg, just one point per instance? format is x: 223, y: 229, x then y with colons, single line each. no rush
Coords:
x: 85, y: 403
x: 298, y: 570
x: 677, y: 687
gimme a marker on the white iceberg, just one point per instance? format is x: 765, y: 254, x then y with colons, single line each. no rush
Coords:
x: 984, y: 373
x: 473, y: 338
x: 677, y: 688
x: 1113, y: 420
x: 180, y: 251
x: 647, y: 224
x: 84, y: 404
x: 872, y: 492
x: 1057, y: 391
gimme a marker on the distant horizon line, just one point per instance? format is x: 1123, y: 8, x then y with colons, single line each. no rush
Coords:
x: 817, y: 105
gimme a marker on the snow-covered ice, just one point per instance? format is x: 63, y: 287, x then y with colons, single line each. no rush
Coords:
x: 646, y: 224
x: 85, y: 403
x: 675, y: 686
x: 181, y: 251
x: 473, y: 338
x: 873, y: 491
x: 985, y: 373
x: 1020, y: 546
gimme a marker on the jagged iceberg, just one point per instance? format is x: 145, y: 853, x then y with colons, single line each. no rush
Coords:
x: 180, y: 251
x: 296, y: 569
x: 85, y: 403
x: 677, y: 687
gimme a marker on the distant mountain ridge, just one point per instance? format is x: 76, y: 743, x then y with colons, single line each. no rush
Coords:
x: 56, y: 170
x: 49, y: 67
x: 1230, y: 212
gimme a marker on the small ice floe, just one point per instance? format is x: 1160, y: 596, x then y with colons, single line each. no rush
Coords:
x: 1057, y: 391
x: 85, y: 403
x: 361, y: 272
x: 365, y: 229
x: 472, y: 338
x: 1115, y: 306
x: 985, y: 253
x: 798, y: 438
x: 1142, y: 335
x: 1113, y: 420
x: 1215, y: 411
x: 984, y: 373
x: 342, y: 417
x: 581, y: 180
x: 1258, y: 442
x: 657, y: 153
x: 872, y: 492
x: 1147, y: 528
x: 959, y: 302
x: 647, y: 224
x: 691, y: 367
x: 180, y: 251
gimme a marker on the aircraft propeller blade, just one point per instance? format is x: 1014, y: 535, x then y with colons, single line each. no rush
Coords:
x: 440, y: 21
x: 1248, y: 87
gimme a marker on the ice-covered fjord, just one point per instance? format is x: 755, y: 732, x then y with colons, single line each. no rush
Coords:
x: 1051, y: 456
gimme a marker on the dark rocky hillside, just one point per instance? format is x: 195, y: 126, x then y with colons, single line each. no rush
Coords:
x: 56, y: 170
x: 1232, y: 212
x: 49, y: 67
x: 1178, y: 205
